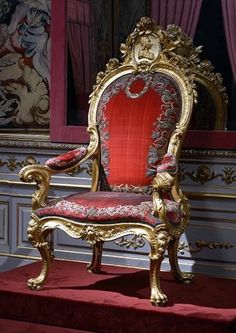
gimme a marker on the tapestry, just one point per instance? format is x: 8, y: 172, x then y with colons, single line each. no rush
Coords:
x: 24, y: 63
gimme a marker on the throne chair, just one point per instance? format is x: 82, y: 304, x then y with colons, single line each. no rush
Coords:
x: 139, y: 113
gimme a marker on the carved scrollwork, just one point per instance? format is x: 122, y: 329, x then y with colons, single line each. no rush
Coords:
x: 12, y: 163
x: 162, y: 182
x: 204, y: 174
x: 200, y: 154
x: 39, y: 174
x: 149, y: 45
x: 228, y: 175
x: 37, y: 145
x: 110, y: 66
x: 80, y: 169
x: 136, y: 241
x: 36, y: 237
x: 200, y: 244
x: 92, y: 234
x: 206, y: 68
x: 159, y: 244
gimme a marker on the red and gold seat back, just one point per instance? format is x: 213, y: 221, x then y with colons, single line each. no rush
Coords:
x: 136, y: 116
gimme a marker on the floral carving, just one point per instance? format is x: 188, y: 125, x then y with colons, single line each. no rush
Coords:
x: 136, y: 241
x: 91, y: 235
x: 200, y: 244
x: 12, y: 163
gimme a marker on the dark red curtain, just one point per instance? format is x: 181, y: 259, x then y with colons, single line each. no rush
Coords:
x: 183, y: 13
x: 229, y: 17
x: 78, y: 43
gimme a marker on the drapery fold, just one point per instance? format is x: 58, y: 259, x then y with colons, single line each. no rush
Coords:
x: 183, y: 13
x: 78, y: 43
x: 229, y: 18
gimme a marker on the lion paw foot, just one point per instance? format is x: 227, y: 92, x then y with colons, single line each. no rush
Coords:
x: 35, y: 284
x: 158, y: 299
x: 185, y: 278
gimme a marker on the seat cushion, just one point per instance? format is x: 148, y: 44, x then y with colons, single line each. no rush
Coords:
x: 109, y: 207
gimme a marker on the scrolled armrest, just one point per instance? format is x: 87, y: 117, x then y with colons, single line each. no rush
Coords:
x: 67, y: 160
x: 41, y: 175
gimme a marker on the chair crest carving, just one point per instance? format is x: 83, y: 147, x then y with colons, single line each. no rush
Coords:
x: 173, y: 46
x: 149, y: 44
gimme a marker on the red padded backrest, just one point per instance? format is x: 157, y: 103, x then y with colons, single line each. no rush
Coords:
x: 136, y: 116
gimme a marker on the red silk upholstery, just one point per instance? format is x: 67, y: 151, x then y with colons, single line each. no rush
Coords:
x: 66, y: 160
x: 168, y: 164
x: 108, y: 207
x: 136, y: 116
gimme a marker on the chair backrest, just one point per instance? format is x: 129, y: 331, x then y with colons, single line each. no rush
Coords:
x: 140, y: 109
x: 136, y: 115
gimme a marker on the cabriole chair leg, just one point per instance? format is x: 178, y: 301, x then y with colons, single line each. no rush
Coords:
x: 179, y: 276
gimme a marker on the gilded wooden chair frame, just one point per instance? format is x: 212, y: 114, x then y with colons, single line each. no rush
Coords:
x: 164, y: 236
x: 212, y: 82
x: 204, y: 74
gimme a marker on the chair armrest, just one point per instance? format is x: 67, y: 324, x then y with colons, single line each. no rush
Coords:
x: 66, y: 161
x: 41, y: 174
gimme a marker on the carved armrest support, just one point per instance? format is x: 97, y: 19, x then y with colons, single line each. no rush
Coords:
x: 41, y: 175
x: 163, y: 182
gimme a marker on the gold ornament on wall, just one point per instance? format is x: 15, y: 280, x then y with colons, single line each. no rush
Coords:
x: 12, y: 164
x: 204, y: 174
x: 200, y: 244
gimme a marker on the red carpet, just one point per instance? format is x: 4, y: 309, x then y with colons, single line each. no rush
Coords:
x: 115, y: 301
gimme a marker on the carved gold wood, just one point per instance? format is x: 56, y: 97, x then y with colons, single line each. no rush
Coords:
x: 12, y: 163
x: 200, y: 244
x: 136, y: 242
x: 204, y: 174
x: 148, y: 49
x: 212, y: 82
x: 203, y: 73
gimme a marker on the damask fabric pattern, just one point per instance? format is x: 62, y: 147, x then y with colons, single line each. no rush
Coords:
x: 109, y: 207
x: 136, y: 116
x: 66, y: 160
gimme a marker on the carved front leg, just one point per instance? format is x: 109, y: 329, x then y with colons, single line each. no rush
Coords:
x: 38, y: 240
x: 158, y: 247
x: 178, y: 275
